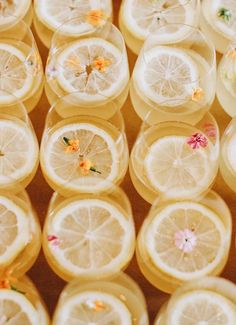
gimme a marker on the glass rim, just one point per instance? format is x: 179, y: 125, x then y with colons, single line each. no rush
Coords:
x: 208, y: 43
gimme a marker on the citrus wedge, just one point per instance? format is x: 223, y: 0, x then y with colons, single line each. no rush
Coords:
x: 145, y: 17
x: 202, y: 307
x: 16, y: 309
x: 94, y: 307
x: 222, y: 16
x: 16, y: 74
x: 18, y: 151
x: 53, y: 13
x: 186, y: 240
x: 93, y: 68
x: 167, y: 74
x: 86, y: 230
x: 173, y: 167
x: 95, y: 146
x: 13, y: 11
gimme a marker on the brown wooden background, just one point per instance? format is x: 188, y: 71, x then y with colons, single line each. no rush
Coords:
x: 47, y: 282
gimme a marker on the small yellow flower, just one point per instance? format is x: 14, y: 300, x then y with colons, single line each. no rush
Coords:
x: 197, y: 94
x: 100, y: 63
x: 71, y: 145
x: 85, y: 166
x: 95, y: 17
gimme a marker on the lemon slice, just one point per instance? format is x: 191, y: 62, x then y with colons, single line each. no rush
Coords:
x: 86, y: 230
x: 227, y: 72
x: 14, y: 230
x: 96, y: 145
x: 77, y: 70
x: 145, y: 17
x: 16, y: 75
x: 173, y: 167
x: 186, y: 240
x: 18, y: 151
x: 231, y: 152
x: 13, y: 11
x: 202, y: 307
x: 167, y: 74
x: 214, y: 11
x: 53, y: 13
x: 94, y: 307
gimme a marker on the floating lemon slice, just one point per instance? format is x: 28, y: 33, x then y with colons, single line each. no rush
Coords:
x: 18, y: 151
x: 93, y: 307
x: 92, y: 67
x: 167, y: 75
x: 16, y: 74
x: 186, y: 240
x: 202, y: 307
x: 222, y: 16
x: 87, y: 246
x: 14, y: 230
x: 96, y: 147
x: 53, y: 13
x: 173, y: 167
x: 16, y: 309
x: 145, y: 17
x: 13, y: 11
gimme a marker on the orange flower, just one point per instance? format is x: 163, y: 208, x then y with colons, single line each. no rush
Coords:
x: 6, y: 279
x: 86, y: 166
x: 72, y: 145
x: 100, y: 63
x: 231, y: 54
x: 197, y: 94
x: 96, y: 305
x: 95, y: 17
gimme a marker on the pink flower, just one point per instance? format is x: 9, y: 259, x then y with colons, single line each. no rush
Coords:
x: 185, y: 240
x: 210, y: 130
x: 197, y: 140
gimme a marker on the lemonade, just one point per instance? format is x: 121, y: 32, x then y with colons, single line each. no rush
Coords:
x: 226, y: 81
x: 51, y: 14
x: 79, y: 232
x: 21, y: 72
x: 138, y: 19
x: 12, y: 12
x: 218, y: 22
x: 93, y: 68
x: 176, y: 79
x: 228, y: 155
x: 19, y: 151
x: 83, y: 154
x: 117, y: 301
x: 208, y: 301
x: 20, y: 241
x: 175, y: 159
x: 185, y: 240
x: 21, y: 303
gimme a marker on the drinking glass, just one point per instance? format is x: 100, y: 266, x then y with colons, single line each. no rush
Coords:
x: 175, y: 159
x: 120, y: 300
x: 184, y: 240
x: 81, y: 153
x: 93, y: 63
x: 176, y: 78
x: 49, y: 15
x: 138, y: 19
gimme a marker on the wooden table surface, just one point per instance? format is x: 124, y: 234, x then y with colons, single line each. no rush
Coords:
x: 49, y: 285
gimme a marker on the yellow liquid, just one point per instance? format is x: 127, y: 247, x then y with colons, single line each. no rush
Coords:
x: 27, y: 257
x: 56, y: 205
x: 186, y: 111
x: 31, y: 98
x: 65, y: 189
x: 18, y: 184
x: 217, y: 285
x: 140, y: 151
x: 121, y: 287
x: 164, y: 281
x: 216, y: 35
